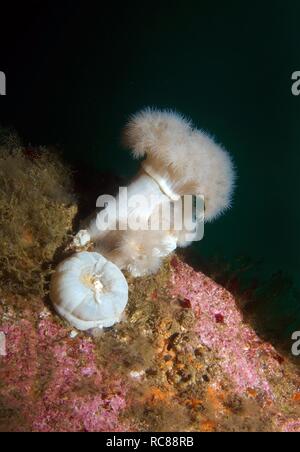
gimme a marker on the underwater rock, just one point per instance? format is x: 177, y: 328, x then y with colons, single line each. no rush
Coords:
x: 247, y: 361
x: 53, y: 383
x: 171, y: 365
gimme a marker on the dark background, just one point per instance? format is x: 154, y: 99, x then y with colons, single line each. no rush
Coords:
x: 76, y: 72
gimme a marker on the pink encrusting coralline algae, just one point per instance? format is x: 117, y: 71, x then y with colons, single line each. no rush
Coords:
x: 223, y: 378
x: 53, y: 383
x: 220, y: 327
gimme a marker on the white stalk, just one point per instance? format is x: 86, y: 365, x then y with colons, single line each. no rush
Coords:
x: 119, y: 216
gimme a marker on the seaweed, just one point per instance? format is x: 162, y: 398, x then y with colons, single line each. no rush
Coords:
x: 37, y: 208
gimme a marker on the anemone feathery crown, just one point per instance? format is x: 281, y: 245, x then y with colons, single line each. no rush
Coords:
x: 188, y: 159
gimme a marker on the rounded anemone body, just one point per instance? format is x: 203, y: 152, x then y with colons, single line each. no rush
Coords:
x: 182, y: 159
x: 89, y: 291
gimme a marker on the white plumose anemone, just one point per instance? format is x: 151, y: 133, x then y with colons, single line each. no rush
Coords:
x: 178, y: 160
x: 181, y: 159
x: 89, y: 291
x: 141, y: 252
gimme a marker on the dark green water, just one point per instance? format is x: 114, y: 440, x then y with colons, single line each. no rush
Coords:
x: 74, y: 74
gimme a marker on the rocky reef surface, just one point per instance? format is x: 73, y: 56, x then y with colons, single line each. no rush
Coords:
x: 182, y: 359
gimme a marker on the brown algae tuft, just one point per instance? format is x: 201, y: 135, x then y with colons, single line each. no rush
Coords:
x: 37, y: 208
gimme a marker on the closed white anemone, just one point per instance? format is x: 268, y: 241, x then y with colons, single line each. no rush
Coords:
x: 89, y: 291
